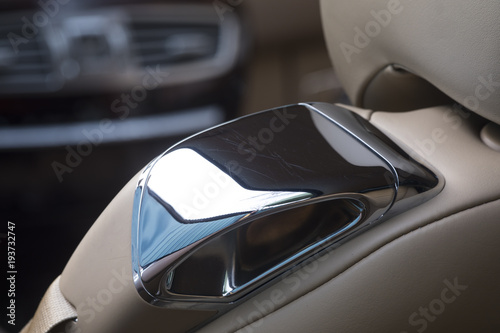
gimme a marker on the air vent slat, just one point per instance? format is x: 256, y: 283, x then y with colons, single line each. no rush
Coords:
x: 32, y: 53
x: 25, y: 65
x: 164, y: 31
x: 21, y: 79
x: 162, y: 43
x: 28, y: 67
x: 156, y: 45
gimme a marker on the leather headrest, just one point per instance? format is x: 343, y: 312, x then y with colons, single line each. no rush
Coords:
x: 452, y: 45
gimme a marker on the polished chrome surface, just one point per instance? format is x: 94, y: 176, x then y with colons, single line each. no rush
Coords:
x: 228, y: 210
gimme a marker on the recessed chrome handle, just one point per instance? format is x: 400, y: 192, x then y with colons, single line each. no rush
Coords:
x: 226, y: 211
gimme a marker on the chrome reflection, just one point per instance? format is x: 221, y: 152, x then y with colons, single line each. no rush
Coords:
x: 207, y: 192
x: 226, y: 211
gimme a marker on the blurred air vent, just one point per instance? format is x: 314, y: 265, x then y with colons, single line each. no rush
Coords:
x: 114, y: 48
x: 25, y: 63
x: 164, y: 43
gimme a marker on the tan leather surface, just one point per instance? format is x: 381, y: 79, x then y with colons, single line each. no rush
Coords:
x: 382, y: 281
x: 453, y: 44
x: 431, y: 279
x: 376, y: 281
x: 398, y: 90
x: 98, y: 279
x: 432, y: 269
x: 53, y: 309
x: 268, y: 31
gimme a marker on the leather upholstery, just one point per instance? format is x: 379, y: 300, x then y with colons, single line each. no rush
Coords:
x: 431, y: 269
x: 452, y: 44
x: 375, y: 282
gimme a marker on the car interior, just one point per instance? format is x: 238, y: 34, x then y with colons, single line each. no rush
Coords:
x: 250, y: 166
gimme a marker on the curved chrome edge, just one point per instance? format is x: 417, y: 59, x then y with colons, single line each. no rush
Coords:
x: 408, y: 182
x: 407, y: 165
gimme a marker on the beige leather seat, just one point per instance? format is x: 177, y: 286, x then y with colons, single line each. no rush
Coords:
x: 434, y: 268
x: 431, y: 269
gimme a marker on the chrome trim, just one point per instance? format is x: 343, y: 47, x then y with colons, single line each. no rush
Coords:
x: 223, y: 213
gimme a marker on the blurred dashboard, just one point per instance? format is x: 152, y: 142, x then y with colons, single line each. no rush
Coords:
x: 90, y: 92
x: 65, y: 65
